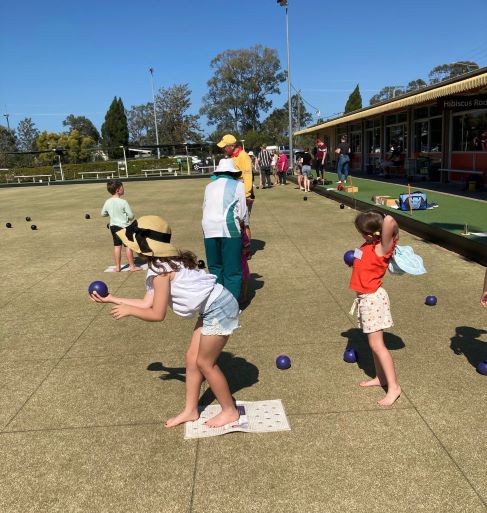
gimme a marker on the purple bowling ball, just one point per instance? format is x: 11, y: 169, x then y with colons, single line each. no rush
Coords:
x: 98, y: 287
x: 431, y: 300
x: 482, y: 368
x: 283, y: 362
x: 350, y: 355
x: 348, y: 257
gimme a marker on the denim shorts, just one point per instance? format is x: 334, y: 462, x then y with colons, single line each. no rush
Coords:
x: 306, y: 171
x: 221, y: 317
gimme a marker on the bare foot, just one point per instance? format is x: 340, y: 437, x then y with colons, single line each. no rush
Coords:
x: 184, y: 416
x: 116, y: 270
x: 391, y: 396
x: 135, y: 269
x: 223, y: 418
x: 371, y: 383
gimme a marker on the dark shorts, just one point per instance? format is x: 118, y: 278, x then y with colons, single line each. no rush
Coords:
x: 117, y: 241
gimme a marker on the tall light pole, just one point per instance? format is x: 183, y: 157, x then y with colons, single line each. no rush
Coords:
x: 283, y: 3
x: 151, y: 71
x: 6, y: 116
x: 125, y: 160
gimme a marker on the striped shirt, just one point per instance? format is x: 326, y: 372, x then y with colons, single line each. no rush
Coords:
x: 265, y: 158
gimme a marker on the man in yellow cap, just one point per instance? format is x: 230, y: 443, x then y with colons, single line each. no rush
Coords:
x: 243, y: 163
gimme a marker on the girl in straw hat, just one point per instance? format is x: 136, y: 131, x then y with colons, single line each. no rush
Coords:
x: 174, y: 281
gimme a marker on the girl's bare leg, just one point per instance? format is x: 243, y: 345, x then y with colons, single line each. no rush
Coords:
x: 210, y: 348
x: 194, y: 378
x: 385, y: 368
x: 379, y: 380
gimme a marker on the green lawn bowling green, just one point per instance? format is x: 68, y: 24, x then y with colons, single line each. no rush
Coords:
x: 83, y: 397
x: 453, y: 213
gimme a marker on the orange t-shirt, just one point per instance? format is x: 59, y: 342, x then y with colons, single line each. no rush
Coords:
x: 368, y: 271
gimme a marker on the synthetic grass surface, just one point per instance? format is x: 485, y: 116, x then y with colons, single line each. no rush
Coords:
x: 83, y: 397
x: 453, y: 213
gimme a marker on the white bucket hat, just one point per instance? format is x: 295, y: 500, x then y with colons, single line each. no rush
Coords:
x: 227, y: 166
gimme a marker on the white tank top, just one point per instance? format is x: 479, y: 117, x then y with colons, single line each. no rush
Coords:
x: 192, y: 290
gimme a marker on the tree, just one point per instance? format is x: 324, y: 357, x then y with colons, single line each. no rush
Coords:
x: 176, y: 126
x: 77, y: 148
x: 83, y: 125
x: 446, y: 71
x: 114, y: 131
x: 8, y: 142
x: 27, y: 134
x: 240, y: 87
x: 386, y: 93
x: 276, y: 125
x: 414, y: 85
x: 140, y: 120
x: 354, y: 101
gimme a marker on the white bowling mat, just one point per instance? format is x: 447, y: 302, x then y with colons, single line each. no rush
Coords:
x: 125, y: 268
x: 255, y: 417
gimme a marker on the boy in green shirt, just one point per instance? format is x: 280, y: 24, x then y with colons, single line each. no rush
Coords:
x: 121, y: 216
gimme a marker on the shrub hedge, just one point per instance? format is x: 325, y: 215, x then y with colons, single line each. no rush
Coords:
x: 71, y: 171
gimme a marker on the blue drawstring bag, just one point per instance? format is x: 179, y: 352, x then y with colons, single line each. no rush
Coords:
x: 404, y: 260
x: 415, y: 201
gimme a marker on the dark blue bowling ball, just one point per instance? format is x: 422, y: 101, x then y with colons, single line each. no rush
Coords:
x: 482, y: 368
x: 99, y: 287
x: 350, y: 355
x: 283, y: 362
x: 348, y: 257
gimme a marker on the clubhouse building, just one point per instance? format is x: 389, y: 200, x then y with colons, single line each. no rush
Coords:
x: 438, y: 132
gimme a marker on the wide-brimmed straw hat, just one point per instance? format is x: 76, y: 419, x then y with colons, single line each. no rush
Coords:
x: 227, y: 166
x: 150, y: 236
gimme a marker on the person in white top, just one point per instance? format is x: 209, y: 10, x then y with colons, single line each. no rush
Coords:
x: 224, y: 209
x: 174, y: 281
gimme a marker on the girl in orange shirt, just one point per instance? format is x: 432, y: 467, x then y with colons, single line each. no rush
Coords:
x: 374, y: 315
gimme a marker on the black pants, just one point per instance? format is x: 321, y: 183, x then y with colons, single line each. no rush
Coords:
x: 282, y: 177
x: 320, y: 169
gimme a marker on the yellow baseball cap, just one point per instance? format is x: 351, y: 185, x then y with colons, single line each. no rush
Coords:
x: 226, y: 140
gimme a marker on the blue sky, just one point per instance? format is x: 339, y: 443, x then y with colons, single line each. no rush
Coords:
x: 60, y: 58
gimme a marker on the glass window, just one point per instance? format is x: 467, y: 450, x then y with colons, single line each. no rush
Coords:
x: 470, y: 131
x: 402, y: 117
x: 421, y: 132
x: 396, y: 137
x: 427, y: 135
x: 372, y: 140
x: 435, y: 111
x: 420, y: 113
x: 390, y: 120
x: 436, y: 134
x: 371, y: 123
x: 356, y: 142
x: 357, y: 127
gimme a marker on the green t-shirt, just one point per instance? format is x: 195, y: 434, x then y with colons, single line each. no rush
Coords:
x: 119, y: 211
